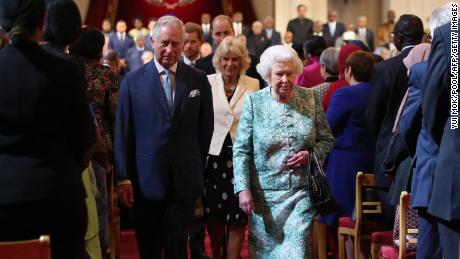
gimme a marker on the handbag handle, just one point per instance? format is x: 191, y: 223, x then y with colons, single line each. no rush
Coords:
x: 317, y: 164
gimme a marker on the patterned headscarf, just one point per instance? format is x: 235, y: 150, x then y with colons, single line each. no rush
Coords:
x: 419, y: 53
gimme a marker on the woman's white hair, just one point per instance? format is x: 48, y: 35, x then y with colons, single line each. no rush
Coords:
x: 275, y: 54
x: 439, y: 16
x: 167, y: 21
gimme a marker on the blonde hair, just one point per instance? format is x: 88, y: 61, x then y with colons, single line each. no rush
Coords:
x: 236, y: 47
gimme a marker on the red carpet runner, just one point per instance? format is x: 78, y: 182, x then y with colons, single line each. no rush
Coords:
x: 128, y: 246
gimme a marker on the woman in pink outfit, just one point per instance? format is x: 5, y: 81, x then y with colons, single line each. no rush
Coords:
x: 311, y: 74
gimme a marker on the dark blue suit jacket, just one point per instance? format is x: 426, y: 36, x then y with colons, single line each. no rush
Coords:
x: 133, y: 58
x: 157, y: 151
x: 275, y: 39
x: 121, y: 47
x: 339, y: 30
x: 445, y: 197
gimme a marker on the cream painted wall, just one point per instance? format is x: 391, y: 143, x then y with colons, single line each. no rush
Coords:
x: 83, y: 5
x: 286, y: 10
x: 353, y: 9
x: 263, y: 8
x: 421, y: 8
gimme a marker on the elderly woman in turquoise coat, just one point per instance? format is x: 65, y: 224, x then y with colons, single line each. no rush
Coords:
x: 279, y: 128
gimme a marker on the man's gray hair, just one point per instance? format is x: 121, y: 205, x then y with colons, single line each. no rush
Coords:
x: 329, y: 59
x: 275, y: 54
x: 439, y: 16
x: 167, y: 21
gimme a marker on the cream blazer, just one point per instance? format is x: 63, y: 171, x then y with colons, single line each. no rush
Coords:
x: 227, y: 114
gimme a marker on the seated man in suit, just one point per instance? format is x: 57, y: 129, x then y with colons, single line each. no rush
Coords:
x: 332, y: 29
x: 364, y: 34
x: 134, y: 54
x: 221, y: 28
x: 159, y: 164
x: 121, y: 42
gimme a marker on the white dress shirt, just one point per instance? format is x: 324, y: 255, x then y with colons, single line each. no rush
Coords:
x: 188, y: 62
x: 332, y: 27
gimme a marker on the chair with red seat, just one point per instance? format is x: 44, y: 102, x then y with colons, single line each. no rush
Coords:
x: 407, y: 233
x: 360, y: 229
x: 30, y: 249
x: 379, y: 239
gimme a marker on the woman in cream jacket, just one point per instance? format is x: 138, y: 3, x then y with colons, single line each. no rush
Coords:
x: 229, y: 88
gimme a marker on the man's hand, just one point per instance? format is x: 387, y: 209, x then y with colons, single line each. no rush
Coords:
x: 246, y: 202
x: 126, y: 195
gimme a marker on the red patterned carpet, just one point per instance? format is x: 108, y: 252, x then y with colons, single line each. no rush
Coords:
x: 128, y: 246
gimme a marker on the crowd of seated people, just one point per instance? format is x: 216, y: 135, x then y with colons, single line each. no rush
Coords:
x: 211, y: 128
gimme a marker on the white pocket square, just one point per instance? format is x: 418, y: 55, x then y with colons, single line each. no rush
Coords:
x: 194, y: 93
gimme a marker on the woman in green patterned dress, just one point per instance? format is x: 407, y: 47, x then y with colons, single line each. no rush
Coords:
x: 278, y: 128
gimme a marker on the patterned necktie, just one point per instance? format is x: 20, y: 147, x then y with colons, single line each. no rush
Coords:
x: 168, y: 90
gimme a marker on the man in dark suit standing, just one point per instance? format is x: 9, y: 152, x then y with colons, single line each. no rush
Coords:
x: 164, y: 126
x: 121, y: 42
x: 301, y: 27
x: 206, y: 27
x: 221, y: 28
x: 238, y: 26
x: 332, y: 29
x: 437, y: 118
x: 364, y: 34
x: 272, y: 35
x: 45, y: 136
x: 389, y: 84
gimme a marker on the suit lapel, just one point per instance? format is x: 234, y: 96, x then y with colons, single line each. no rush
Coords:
x: 220, y: 92
x: 181, y: 87
x: 153, y: 80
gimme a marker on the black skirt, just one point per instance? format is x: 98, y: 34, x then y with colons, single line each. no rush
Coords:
x: 219, y: 201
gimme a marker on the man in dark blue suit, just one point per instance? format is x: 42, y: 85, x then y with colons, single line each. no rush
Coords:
x: 389, y: 84
x: 134, y: 54
x: 332, y: 29
x: 364, y: 34
x: 270, y: 33
x: 164, y: 126
x: 46, y: 130
x: 445, y: 196
x: 121, y: 41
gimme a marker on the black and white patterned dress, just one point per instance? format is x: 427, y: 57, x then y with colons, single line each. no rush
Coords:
x: 220, y: 202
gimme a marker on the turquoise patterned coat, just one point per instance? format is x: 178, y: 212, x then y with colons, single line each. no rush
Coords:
x: 269, y: 132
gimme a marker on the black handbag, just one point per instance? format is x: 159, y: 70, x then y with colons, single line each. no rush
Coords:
x: 320, y: 192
